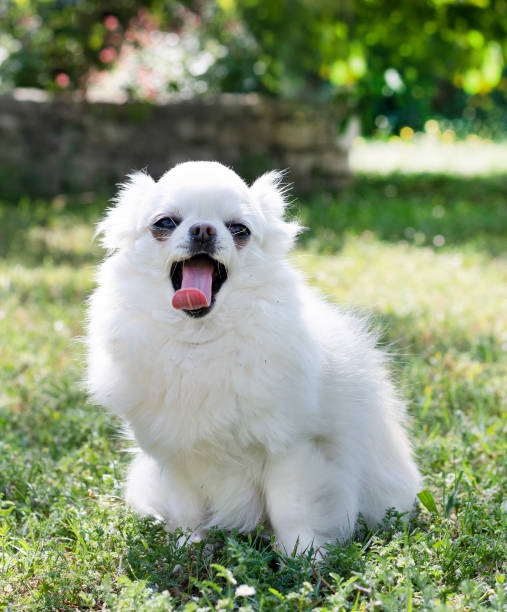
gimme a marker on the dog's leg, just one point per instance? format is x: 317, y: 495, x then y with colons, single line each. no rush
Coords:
x: 390, y: 477
x: 163, y: 493
x: 310, y: 499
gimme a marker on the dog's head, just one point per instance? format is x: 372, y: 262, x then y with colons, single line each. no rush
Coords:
x: 201, y: 230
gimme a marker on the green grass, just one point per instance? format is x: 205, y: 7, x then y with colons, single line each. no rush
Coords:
x: 68, y: 541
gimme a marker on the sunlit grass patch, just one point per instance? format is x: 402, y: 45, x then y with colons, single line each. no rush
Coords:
x: 426, y: 210
x: 426, y: 293
x: 471, y: 157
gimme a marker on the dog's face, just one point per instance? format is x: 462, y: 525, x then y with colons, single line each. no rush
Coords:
x: 200, y: 230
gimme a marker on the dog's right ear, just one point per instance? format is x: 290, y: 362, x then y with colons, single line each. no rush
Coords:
x: 120, y: 226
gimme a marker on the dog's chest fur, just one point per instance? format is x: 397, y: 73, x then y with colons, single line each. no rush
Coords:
x: 222, y: 395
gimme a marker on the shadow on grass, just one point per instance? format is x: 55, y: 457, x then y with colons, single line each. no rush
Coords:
x: 252, y: 559
x: 37, y: 232
x: 415, y: 208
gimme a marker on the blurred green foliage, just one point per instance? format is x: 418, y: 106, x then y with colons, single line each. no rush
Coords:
x: 393, y: 63
x: 396, y: 63
x: 51, y: 38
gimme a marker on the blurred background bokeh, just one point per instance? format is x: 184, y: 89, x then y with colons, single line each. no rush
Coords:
x: 427, y: 71
x: 395, y: 64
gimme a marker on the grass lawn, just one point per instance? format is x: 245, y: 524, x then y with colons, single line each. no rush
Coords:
x: 425, y: 255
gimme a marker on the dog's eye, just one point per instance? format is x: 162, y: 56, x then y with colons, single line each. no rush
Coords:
x: 238, y: 230
x: 162, y: 228
x: 166, y: 223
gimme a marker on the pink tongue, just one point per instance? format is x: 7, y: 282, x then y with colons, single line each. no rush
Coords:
x: 195, y: 291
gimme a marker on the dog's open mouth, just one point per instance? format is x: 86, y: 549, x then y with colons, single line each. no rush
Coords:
x: 196, y: 282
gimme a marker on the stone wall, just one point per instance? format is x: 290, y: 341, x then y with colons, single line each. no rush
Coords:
x: 65, y: 146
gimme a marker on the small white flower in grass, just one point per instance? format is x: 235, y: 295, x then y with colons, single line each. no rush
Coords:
x: 59, y: 326
x: 244, y: 590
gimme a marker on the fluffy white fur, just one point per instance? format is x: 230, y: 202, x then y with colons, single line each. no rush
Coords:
x: 274, y: 407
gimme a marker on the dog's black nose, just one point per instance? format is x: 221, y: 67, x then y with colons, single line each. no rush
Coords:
x: 204, y: 232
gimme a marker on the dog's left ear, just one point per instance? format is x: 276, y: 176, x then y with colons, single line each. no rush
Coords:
x: 269, y: 192
x: 119, y: 228
x: 270, y: 195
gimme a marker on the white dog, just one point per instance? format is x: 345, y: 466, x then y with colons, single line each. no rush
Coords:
x: 250, y: 398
